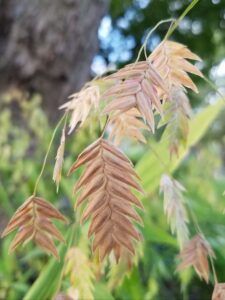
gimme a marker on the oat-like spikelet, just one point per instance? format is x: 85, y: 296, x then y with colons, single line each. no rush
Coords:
x: 127, y: 124
x: 59, y: 159
x: 195, y: 254
x: 176, y: 116
x: 174, y: 208
x: 81, y: 104
x: 106, y: 183
x: 219, y: 291
x: 171, y: 61
x: 136, y: 86
x: 81, y: 275
x: 33, y: 222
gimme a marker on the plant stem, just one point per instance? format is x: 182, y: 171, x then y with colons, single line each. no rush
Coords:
x: 175, y: 25
x: 47, y: 153
x: 105, y: 126
x: 143, y: 47
x: 214, y: 87
x: 195, y: 221
x: 213, y: 269
x: 164, y: 165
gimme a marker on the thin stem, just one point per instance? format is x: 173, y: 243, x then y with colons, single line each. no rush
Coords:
x: 214, y: 87
x: 197, y: 227
x: 165, y: 166
x: 47, y: 153
x: 151, y: 31
x: 213, y: 269
x: 143, y: 47
x: 194, y: 219
x: 176, y: 24
x: 105, y: 126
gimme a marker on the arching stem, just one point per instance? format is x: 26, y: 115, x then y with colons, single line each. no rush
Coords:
x: 47, y: 153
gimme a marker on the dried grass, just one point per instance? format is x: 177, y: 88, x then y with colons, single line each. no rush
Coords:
x: 171, y: 61
x: 195, y: 254
x: 136, y: 86
x: 106, y: 183
x: 59, y: 159
x: 127, y: 124
x: 176, y: 116
x: 81, y: 104
x: 174, y: 208
x: 33, y: 222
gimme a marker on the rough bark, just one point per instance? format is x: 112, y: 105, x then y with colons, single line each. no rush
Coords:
x: 47, y: 46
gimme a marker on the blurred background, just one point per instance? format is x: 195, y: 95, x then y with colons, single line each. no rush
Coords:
x: 49, y: 49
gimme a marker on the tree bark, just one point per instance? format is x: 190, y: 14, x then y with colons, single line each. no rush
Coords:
x: 47, y: 46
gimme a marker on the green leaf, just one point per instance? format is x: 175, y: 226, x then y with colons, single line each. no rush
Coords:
x: 45, y: 287
x: 154, y: 233
x: 132, y: 287
x: 157, y: 160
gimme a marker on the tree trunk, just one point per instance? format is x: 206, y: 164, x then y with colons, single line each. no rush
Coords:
x: 47, y: 46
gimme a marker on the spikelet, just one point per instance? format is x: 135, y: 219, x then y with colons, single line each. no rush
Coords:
x: 219, y: 291
x: 33, y: 221
x: 136, y: 86
x: 81, y: 275
x: 59, y: 159
x: 174, y: 208
x: 81, y: 104
x: 195, y: 254
x: 170, y: 60
x: 127, y: 124
x: 176, y: 115
x: 106, y: 184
